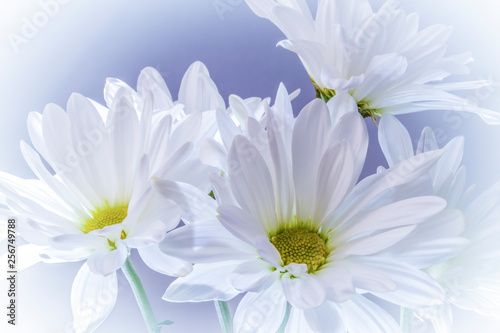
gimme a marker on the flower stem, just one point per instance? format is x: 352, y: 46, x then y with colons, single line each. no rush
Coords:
x: 140, y: 295
x: 224, y: 316
x: 406, y: 316
x: 285, y: 319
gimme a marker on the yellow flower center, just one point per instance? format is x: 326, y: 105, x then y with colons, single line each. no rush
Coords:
x: 104, y: 217
x: 363, y: 106
x: 301, y: 246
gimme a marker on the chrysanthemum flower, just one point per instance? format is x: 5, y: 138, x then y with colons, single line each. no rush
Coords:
x: 233, y: 121
x: 94, y: 201
x: 381, y: 58
x: 470, y: 278
x: 295, y: 228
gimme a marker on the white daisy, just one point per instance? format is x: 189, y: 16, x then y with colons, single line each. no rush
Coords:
x: 470, y: 278
x: 197, y: 93
x: 380, y: 58
x: 432, y: 242
x: 295, y: 228
x: 232, y: 122
x: 99, y: 204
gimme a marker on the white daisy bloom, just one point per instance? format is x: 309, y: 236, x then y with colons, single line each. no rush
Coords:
x: 381, y: 58
x: 100, y: 202
x: 295, y: 228
x: 446, y: 180
x: 470, y: 278
x: 232, y: 122
x: 197, y: 93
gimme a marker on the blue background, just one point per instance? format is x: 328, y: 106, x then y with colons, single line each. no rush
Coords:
x: 83, y: 42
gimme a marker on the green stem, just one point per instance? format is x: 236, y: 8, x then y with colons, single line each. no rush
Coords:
x: 224, y: 316
x: 285, y: 319
x: 406, y: 316
x: 140, y: 295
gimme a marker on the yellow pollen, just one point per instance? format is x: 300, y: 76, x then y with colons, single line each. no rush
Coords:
x: 105, y: 217
x: 301, y: 246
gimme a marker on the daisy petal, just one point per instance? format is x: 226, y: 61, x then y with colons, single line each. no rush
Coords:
x: 326, y: 318
x: 91, y: 142
x: 284, y: 118
x: 374, y: 186
x: 261, y: 312
x: 415, y: 288
x: 374, y: 243
x: 267, y: 251
x: 195, y: 204
x: 304, y: 292
x: 151, y: 81
x: 186, y: 131
x: 338, y: 283
x: 334, y: 180
x: 163, y: 263
x: 339, y: 105
x: 227, y: 128
x: 367, y: 277
x: 427, y: 141
x: 394, y: 140
x: 362, y: 315
x: 450, y: 162
x: 212, y: 153
x: 71, y: 241
x: 172, y: 163
x: 222, y: 189
x: 241, y: 110
x: 93, y: 296
x: 297, y: 322
x: 433, y: 241
x: 111, y: 88
x: 206, y: 282
x: 34, y: 161
x: 307, y: 149
x: 107, y: 261
x: 157, y: 150
x: 311, y: 53
x: 197, y: 91
x: 295, y: 24
x: 56, y: 128
x: 240, y: 223
x: 35, y: 131
x: 330, y: 78
x: 253, y: 275
x: 251, y: 182
x: 282, y: 172
x: 125, y: 123
x: 205, y: 241
x: 52, y: 255
x: 381, y: 70
x: 352, y: 128
x: 197, y: 175
x: 404, y: 212
x: 145, y: 233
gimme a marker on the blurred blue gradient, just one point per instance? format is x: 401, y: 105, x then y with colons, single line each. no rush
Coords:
x: 87, y: 41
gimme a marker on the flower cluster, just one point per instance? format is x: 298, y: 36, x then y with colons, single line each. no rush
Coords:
x: 248, y: 199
